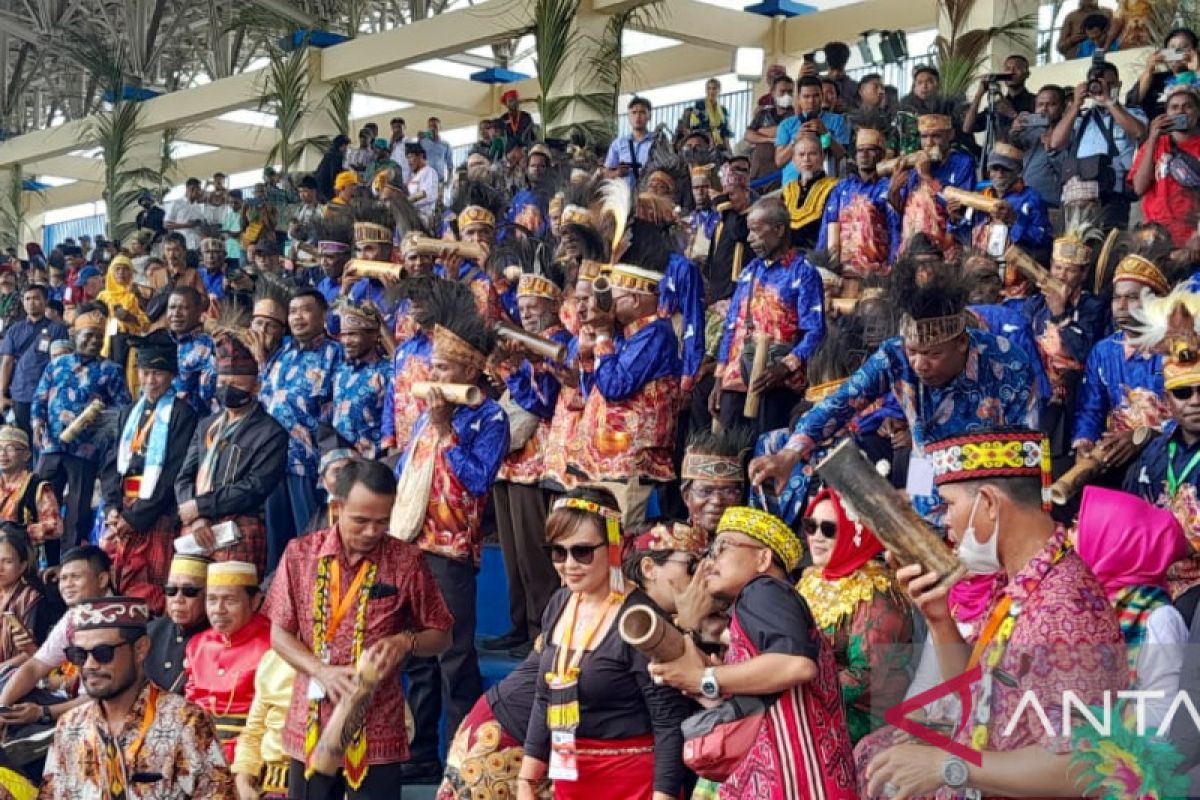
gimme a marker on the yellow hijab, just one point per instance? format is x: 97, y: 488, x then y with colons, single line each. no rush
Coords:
x: 116, y: 294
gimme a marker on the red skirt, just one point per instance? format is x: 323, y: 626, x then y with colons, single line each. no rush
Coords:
x: 141, y: 561
x: 611, y: 769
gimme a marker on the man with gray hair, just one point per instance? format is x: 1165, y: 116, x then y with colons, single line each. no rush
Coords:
x: 778, y: 303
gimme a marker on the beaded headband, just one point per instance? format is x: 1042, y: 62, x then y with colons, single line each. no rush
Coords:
x: 765, y: 528
x: 532, y: 285
x: 671, y: 537
x: 92, y: 319
x: 332, y: 248
x: 1142, y: 270
x: 933, y: 123
x: 475, y: 215
x: 448, y: 345
x: 635, y: 279
x: 370, y: 233
x: 612, y: 535
x: 932, y: 331
x: 1070, y: 250
x: 705, y: 467
x: 992, y: 454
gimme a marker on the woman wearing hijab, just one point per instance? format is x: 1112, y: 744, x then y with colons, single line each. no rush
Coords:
x: 126, y: 317
x: 855, y: 602
x: 1129, y: 544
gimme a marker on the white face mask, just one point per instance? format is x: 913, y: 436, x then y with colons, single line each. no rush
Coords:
x: 783, y: 101
x: 981, y: 559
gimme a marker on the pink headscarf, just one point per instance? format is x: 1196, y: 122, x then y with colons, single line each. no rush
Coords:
x: 1127, y: 541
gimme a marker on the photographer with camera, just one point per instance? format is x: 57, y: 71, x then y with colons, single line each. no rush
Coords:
x: 1100, y: 136
x: 1007, y: 95
x: 1166, y: 170
x: 1176, y: 62
x: 1043, y: 168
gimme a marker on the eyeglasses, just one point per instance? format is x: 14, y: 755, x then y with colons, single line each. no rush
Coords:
x: 704, y: 493
x: 810, y: 526
x: 1183, y: 393
x: 582, y: 553
x: 691, y: 562
x: 190, y: 592
x: 102, y: 653
x: 721, y: 545
x: 13, y: 449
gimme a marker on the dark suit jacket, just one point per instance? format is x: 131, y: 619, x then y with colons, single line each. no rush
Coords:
x: 247, y: 470
x: 142, y: 515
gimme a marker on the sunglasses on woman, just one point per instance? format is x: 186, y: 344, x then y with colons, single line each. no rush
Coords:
x: 190, y: 592
x: 583, y: 554
x: 810, y: 526
x: 102, y: 653
x: 1183, y: 393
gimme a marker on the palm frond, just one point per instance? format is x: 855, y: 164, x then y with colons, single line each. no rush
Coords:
x: 962, y: 51
x: 285, y: 88
x: 555, y: 36
x: 12, y: 207
x: 337, y: 104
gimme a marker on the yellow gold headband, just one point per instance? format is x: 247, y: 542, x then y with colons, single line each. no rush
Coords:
x: 765, y: 528
x: 612, y: 533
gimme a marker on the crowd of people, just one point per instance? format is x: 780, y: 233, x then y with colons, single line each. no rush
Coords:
x: 251, y: 455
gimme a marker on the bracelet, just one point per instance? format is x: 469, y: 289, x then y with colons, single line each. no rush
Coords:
x: 412, y: 644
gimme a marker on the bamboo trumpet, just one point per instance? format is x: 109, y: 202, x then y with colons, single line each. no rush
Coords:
x: 1088, y: 467
x: 344, y: 722
x: 365, y: 268
x: 1035, y: 272
x: 538, y: 345
x: 602, y: 293
x: 890, y: 165
x: 86, y: 419
x: 762, y: 343
x: 461, y: 394
x: 974, y: 200
x: 429, y: 246
x: 653, y: 636
x: 868, y: 496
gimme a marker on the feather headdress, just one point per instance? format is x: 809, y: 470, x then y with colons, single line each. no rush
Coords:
x: 616, y: 208
x: 1171, y: 326
x: 1146, y: 260
x: 1081, y: 234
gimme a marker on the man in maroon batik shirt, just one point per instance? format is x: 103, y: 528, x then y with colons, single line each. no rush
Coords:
x: 348, y: 589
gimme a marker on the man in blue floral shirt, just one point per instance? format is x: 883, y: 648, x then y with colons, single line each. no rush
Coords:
x: 298, y: 392
x: 361, y: 381
x: 67, y: 386
x: 947, y: 379
x: 197, y: 376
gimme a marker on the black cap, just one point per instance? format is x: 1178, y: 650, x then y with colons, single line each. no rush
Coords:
x: 157, y: 351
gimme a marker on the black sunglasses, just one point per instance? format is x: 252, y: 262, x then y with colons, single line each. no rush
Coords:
x: 692, y: 564
x: 1183, y: 392
x: 103, y: 653
x: 582, y: 553
x: 190, y: 592
x: 810, y: 526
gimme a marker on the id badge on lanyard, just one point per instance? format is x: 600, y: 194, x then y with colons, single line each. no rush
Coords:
x: 563, y: 718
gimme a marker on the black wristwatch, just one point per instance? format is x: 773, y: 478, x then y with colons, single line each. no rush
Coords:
x: 46, y: 718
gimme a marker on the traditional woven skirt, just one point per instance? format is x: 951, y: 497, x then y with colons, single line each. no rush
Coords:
x: 141, y: 561
x: 484, y: 760
x: 611, y: 769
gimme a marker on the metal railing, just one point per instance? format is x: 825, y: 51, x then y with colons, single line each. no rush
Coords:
x: 739, y: 104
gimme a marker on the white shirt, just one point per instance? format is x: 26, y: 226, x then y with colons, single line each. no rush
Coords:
x: 184, y: 211
x: 1159, y: 663
x: 426, y: 181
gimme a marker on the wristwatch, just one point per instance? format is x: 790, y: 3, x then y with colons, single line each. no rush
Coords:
x: 954, y: 772
x: 709, y: 688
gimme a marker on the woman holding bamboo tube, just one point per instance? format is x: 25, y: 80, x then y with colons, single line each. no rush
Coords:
x: 600, y: 728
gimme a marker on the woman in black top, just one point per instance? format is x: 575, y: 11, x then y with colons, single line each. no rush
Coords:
x: 613, y: 733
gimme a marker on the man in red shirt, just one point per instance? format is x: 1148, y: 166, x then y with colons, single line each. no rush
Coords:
x: 341, y: 592
x: 1166, y: 169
